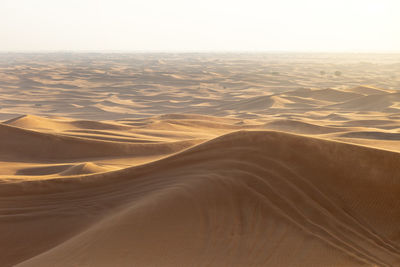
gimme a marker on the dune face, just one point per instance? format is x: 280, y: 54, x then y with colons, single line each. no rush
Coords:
x: 199, y: 160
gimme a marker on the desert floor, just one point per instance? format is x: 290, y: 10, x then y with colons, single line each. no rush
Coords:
x: 199, y: 159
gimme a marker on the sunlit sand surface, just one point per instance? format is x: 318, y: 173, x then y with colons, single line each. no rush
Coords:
x: 199, y: 160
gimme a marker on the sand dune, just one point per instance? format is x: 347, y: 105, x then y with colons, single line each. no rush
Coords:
x: 300, y: 127
x: 42, y: 123
x: 245, y: 193
x: 199, y: 160
x: 368, y: 90
x: 382, y: 102
x: 25, y: 144
x: 331, y: 95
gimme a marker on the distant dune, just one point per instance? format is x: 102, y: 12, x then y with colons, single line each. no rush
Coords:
x: 198, y: 161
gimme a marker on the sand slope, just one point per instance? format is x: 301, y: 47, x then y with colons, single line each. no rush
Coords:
x: 243, y: 199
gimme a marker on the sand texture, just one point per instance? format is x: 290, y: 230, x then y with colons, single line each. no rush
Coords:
x: 199, y: 160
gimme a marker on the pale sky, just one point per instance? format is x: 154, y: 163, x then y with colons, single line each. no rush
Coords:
x: 201, y: 25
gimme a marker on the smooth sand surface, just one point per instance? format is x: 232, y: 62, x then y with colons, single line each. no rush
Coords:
x: 199, y: 160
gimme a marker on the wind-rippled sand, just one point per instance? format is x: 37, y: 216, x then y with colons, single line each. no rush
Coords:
x: 199, y: 160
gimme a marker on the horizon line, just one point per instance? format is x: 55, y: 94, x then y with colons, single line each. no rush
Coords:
x: 116, y: 51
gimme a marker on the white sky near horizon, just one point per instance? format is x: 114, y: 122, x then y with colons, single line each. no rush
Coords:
x: 207, y: 25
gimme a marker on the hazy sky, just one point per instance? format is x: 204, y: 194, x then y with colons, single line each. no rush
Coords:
x: 201, y: 25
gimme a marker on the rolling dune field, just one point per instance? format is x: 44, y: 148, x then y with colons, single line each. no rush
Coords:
x: 199, y: 160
